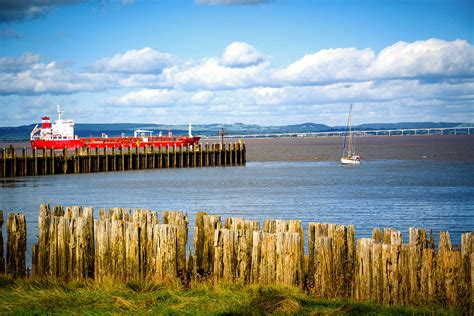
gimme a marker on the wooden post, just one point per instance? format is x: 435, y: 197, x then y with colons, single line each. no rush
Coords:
x: 244, y: 158
x: 25, y: 162
x: 16, y: 245
x: 206, y: 155
x: 145, y: 165
x: 4, y: 157
x: 45, y: 161
x: 106, y: 156
x: 14, y: 166
x: 160, y: 157
x: 89, y: 160
x: 35, y: 161
x: 153, y: 157
x: 64, y: 160
x: 187, y: 156
x: 53, y: 160
x: 114, y: 159
x: 181, y: 222
x: 76, y: 160
x: 139, y: 166
x: 130, y: 158
x: 181, y: 156
x: 174, y: 156
x: 201, y: 156
x: 167, y: 156
x: 204, y: 231
x: 122, y: 158
x: 2, y: 259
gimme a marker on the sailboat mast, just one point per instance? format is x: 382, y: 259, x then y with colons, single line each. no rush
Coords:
x: 349, y: 145
x: 345, y: 134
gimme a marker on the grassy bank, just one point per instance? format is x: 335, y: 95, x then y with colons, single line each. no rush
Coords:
x: 51, y: 296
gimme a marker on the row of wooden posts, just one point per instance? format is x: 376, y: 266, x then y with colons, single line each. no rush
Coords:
x: 84, y: 160
x: 140, y: 246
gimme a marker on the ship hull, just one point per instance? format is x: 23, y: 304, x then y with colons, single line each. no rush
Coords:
x: 115, y: 142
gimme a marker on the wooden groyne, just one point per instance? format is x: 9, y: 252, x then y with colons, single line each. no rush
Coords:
x: 145, y: 246
x: 34, y: 162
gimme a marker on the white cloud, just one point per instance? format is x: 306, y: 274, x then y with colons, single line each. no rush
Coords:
x: 147, y: 98
x: 433, y: 57
x: 404, y: 75
x: 25, y: 61
x: 239, y: 54
x: 329, y: 65
x: 145, y: 60
x: 202, y: 97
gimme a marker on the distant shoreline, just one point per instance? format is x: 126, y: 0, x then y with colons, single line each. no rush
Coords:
x: 433, y: 147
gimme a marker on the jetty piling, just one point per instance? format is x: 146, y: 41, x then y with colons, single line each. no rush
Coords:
x: 136, y: 246
x: 87, y: 160
x: 2, y: 259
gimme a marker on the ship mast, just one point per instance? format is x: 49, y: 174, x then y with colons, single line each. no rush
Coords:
x: 59, y: 113
x: 349, y: 145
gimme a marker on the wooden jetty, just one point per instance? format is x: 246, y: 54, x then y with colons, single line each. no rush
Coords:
x: 143, y: 246
x: 34, y: 162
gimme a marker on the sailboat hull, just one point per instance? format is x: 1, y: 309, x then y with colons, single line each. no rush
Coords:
x: 349, y: 161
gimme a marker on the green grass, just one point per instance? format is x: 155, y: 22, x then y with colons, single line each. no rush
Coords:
x: 51, y: 296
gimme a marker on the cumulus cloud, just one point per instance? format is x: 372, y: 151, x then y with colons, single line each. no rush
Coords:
x: 145, y: 60
x: 202, y: 97
x: 239, y: 54
x: 433, y: 57
x: 147, y: 98
x: 329, y: 65
x: 12, y: 64
x: 242, y: 80
x: 18, y: 10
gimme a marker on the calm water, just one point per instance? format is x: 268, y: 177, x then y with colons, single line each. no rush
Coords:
x: 399, y: 194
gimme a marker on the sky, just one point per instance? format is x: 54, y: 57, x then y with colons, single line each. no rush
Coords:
x: 225, y: 61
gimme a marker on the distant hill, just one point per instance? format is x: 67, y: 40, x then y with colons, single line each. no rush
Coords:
x: 22, y: 133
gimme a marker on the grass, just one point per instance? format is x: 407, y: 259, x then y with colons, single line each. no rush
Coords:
x: 53, y: 297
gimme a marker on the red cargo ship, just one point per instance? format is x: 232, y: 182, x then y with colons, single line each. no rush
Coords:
x: 60, y: 135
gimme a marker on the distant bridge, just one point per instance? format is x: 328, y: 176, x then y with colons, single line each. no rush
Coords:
x: 381, y: 132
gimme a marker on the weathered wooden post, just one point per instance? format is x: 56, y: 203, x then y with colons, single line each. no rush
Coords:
x: 181, y: 156
x: 4, y: 160
x: 153, y: 157
x: 174, y: 156
x: 244, y: 151
x: 64, y: 161
x: 53, y: 160
x: 206, y: 155
x: 160, y: 157
x: 45, y: 161
x: 35, y: 161
x: 25, y: 162
x: 167, y: 157
x: 187, y: 156
x: 201, y: 156
x: 204, y: 231
x: 130, y: 158
x: 76, y: 160
x: 16, y: 245
x: 2, y: 259
x: 217, y: 154
x: 122, y: 159
x: 181, y: 222
x: 145, y: 163
x: 114, y: 159
x: 14, y: 166
x: 195, y: 156
x: 106, y: 157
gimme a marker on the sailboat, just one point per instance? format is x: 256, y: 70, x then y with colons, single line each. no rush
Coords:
x: 349, y: 156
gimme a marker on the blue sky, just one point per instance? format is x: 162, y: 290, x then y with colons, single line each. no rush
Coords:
x: 264, y: 62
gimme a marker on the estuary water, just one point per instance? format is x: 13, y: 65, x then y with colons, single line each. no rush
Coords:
x: 385, y: 193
